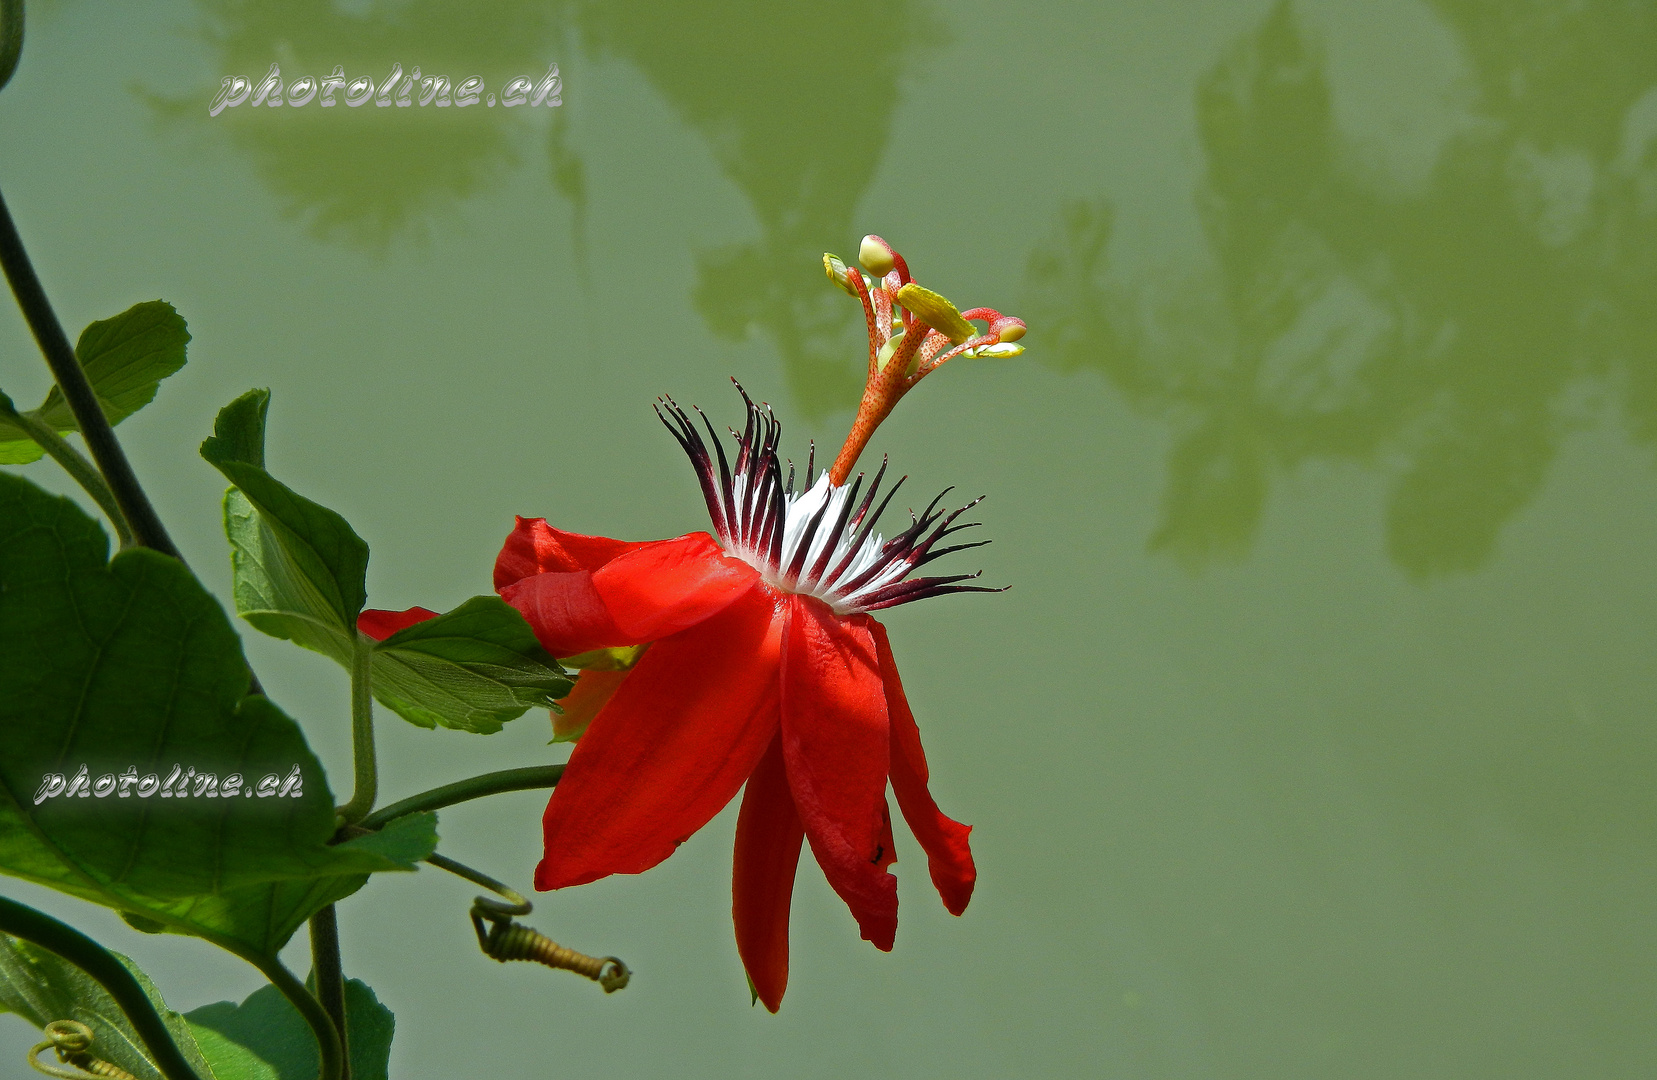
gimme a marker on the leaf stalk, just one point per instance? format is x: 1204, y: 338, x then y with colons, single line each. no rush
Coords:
x: 473, y: 787
x: 74, y: 463
x: 328, y: 1040
x: 366, y: 783
x: 111, y: 460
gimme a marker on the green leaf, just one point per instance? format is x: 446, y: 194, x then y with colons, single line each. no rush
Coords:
x: 239, y: 430
x: 402, y: 841
x: 41, y: 986
x: 300, y: 570
x: 473, y: 668
x: 129, y: 667
x: 125, y: 359
x: 232, y: 1061
x: 16, y: 446
x: 142, y: 924
x: 264, y: 1038
x: 17, y: 451
x: 279, y: 586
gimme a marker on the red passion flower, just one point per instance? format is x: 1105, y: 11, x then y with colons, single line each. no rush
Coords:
x: 750, y: 657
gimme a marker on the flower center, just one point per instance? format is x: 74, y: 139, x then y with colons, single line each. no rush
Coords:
x: 819, y: 541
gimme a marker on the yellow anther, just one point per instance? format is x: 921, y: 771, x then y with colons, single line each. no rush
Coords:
x: 936, y: 312
x: 999, y: 350
x: 876, y: 255
x: 838, y: 272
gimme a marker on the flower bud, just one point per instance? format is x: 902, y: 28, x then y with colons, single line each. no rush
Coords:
x: 876, y: 255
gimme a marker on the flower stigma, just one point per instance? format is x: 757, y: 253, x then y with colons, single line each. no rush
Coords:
x: 913, y: 331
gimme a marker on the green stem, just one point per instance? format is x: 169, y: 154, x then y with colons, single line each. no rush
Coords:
x: 517, y: 899
x: 25, y: 922
x: 11, y: 38
x: 330, y: 977
x: 83, y: 471
x: 77, y: 391
x: 311, y: 1010
x: 133, y: 504
x: 474, y: 787
x: 366, y: 787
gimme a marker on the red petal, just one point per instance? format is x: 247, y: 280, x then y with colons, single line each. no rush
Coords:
x: 593, y: 690
x: 670, y: 750
x: 651, y: 591
x: 662, y: 588
x: 566, y: 613
x: 380, y: 625
x: 948, y: 855
x: 768, y: 836
x: 887, y: 852
x: 835, y: 742
x: 537, y: 548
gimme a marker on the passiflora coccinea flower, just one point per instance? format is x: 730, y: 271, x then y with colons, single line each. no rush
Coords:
x: 751, y: 657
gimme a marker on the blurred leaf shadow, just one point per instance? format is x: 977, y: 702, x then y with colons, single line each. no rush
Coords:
x: 366, y: 176
x: 1448, y: 337
x: 755, y: 78
x: 758, y: 79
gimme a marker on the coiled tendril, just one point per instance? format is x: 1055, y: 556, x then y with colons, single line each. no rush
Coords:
x: 506, y: 939
x: 73, y: 1042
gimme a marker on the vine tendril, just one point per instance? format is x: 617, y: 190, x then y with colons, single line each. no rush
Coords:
x: 507, y: 939
x: 73, y: 1042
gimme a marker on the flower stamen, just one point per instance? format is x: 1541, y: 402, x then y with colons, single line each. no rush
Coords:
x: 903, y: 351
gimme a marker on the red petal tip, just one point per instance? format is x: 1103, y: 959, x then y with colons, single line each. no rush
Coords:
x: 380, y: 625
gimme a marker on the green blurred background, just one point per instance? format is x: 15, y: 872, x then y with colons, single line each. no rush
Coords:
x: 1315, y: 737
